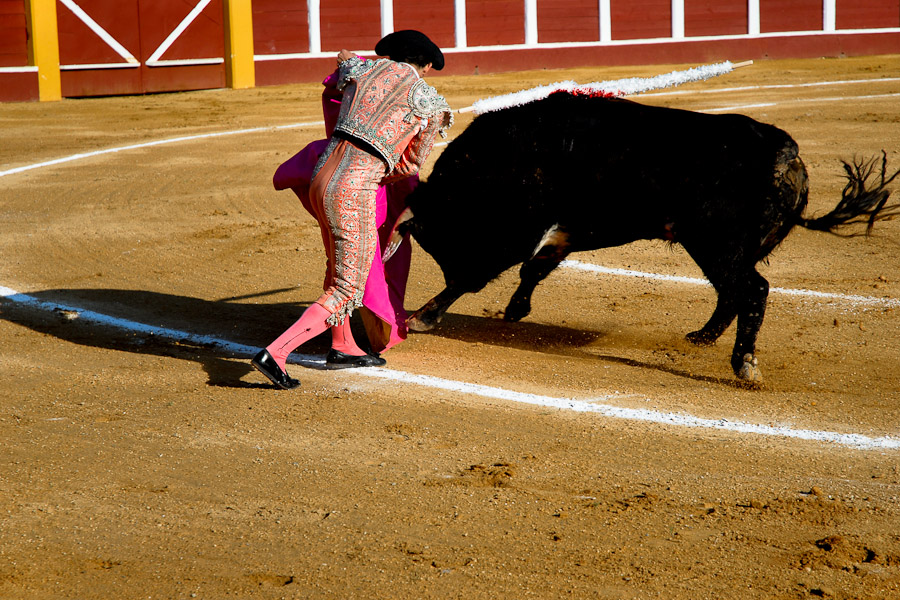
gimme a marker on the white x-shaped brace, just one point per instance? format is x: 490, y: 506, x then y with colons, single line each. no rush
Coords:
x: 130, y: 60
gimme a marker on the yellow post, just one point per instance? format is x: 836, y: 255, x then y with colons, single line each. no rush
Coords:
x: 240, y: 71
x: 43, y: 47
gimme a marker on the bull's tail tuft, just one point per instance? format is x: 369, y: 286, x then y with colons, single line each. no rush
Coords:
x: 859, y: 204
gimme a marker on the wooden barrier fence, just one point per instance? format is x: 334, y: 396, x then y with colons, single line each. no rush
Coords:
x: 50, y: 49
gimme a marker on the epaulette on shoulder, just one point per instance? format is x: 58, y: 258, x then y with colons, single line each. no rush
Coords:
x: 426, y: 103
x: 351, y: 69
x: 425, y: 100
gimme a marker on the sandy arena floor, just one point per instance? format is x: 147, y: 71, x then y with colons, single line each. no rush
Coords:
x: 137, y: 465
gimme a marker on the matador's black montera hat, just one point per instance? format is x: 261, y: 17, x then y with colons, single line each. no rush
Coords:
x: 409, y: 43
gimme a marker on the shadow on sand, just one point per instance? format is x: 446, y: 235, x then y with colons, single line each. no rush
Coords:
x: 244, y: 327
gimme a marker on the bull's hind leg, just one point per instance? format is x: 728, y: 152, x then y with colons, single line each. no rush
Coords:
x: 431, y: 313
x: 550, y: 251
x: 723, y: 316
x: 742, y: 293
x: 751, y: 311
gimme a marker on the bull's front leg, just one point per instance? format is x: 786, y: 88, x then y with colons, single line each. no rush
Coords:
x: 431, y: 313
x: 553, y: 248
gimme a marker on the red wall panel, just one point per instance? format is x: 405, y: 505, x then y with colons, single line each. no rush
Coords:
x: 141, y: 26
x: 495, y: 22
x: 19, y: 87
x: 294, y: 70
x: 797, y: 15
x: 434, y: 18
x: 15, y: 87
x: 280, y: 27
x: 13, y: 34
x: 79, y: 45
x: 868, y: 14
x: 105, y: 82
x: 636, y: 19
x: 715, y: 17
x: 203, y: 38
x: 568, y: 21
x: 354, y: 26
x: 170, y: 79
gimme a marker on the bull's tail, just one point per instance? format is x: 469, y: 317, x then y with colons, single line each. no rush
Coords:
x: 859, y: 203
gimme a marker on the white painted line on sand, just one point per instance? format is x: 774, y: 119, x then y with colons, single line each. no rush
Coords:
x: 738, y: 107
x: 586, y: 405
x: 801, y: 101
x: 186, y: 138
x: 778, y: 86
x: 845, y: 298
x: 590, y: 405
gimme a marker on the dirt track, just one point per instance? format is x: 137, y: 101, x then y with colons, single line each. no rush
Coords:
x: 135, y: 466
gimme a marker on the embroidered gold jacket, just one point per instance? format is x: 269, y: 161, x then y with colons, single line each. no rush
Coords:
x: 388, y: 106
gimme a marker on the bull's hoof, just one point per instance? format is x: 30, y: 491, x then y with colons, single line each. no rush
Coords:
x: 516, y: 311
x: 749, y: 370
x: 699, y: 338
x: 417, y: 322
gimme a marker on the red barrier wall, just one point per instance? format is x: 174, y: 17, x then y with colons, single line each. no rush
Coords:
x: 867, y: 14
x: 13, y: 34
x: 140, y: 27
x: 495, y: 22
x: 279, y: 28
x: 568, y: 21
x: 797, y: 15
x: 435, y: 18
x: 204, y: 38
x: 14, y: 53
x: 715, y: 17
x: 79, y: 45
x: 641, y: 19
x: 349, y: 25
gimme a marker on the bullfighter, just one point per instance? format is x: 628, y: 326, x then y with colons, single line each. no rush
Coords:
x: 386, y: 128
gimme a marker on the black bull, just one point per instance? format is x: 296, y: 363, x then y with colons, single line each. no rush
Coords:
x: 532, y: 184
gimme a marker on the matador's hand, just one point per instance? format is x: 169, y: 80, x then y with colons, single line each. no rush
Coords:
x: 344, y: 55
x: 396, y: 237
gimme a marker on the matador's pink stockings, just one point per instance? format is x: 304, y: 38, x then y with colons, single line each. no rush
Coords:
x: 342, y: 339
x: 310, y: 324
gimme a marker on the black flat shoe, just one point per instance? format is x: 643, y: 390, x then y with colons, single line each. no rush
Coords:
x: 338, y: 360
x: 265, y: 364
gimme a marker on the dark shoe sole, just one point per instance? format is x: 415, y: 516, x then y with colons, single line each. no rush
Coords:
x: 338, y: 360
x: 285, y: 383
